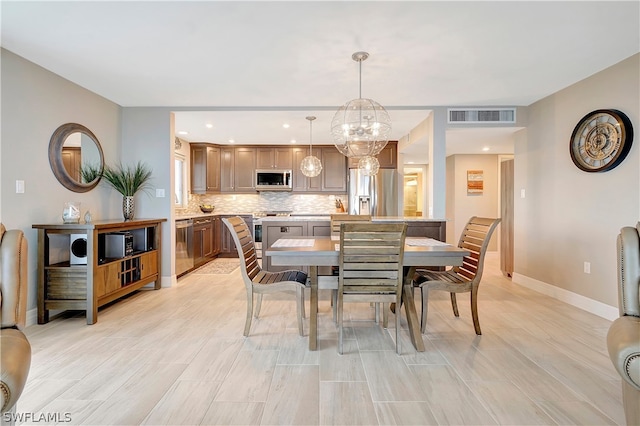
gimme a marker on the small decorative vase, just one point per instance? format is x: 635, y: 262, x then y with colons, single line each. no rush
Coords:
x: 128, y: 207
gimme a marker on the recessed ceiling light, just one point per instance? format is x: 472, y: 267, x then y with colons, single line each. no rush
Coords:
x: 209, y: 126
x: 286, y: 125
x: 232, y: 141
x: 486, y: 148
x: 182, y: 132
x: 293, y: 141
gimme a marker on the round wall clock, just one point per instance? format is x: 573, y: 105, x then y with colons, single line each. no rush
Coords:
x: 601, y: 140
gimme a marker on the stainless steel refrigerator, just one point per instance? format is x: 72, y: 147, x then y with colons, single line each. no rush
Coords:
x: 375, y: 195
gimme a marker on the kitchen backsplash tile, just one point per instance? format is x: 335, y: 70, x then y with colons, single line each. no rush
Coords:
x: 249, y: 203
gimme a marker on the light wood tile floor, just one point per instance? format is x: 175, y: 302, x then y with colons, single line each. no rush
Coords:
x: 177, y: 356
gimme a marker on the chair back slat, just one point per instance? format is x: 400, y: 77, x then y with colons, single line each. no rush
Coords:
x: 475, y: 238
x: 246, y: 248
x: 338, y: 219
x: 371, y: 257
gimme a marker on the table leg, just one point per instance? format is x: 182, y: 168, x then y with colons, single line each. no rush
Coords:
x: 410, y: 309
x: 313, y: 307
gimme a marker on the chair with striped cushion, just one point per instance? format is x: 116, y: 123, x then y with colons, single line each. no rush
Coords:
x: 261, y: 282
x: 371, y: 267
x: 460, y: 279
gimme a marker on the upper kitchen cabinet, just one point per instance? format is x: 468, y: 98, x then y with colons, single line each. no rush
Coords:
x: 227, y: 169
x: 238, y: 169
x: 274, y: 158
x: 205, y: 168
x: 388, y: 157
x: 333, y: 177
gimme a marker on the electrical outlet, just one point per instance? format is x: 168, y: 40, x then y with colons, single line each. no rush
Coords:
x: 587, y: 267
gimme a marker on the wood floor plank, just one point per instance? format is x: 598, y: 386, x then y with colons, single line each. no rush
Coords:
x: 293, y: 396
x: 185, y: 403
x: 137, y: 396
x: 346, y: 403
x: 450, y: 399
x: 249, y: 378
x: 404, y: 413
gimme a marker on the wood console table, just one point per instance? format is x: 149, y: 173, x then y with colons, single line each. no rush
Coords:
x: 66, y: 282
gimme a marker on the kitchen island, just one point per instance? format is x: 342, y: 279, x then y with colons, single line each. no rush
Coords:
x: 274, y: 228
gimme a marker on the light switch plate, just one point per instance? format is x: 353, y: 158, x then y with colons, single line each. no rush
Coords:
x: 19, y: 187
x: 159, y: 193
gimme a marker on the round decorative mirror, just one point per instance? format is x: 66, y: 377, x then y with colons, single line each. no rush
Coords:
x: 76, y: 158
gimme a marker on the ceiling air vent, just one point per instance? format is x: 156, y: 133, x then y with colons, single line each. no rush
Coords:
x: 482, y: 115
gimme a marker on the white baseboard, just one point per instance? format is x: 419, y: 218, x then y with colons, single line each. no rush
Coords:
x: 592, y: 306
x: 32, y: 317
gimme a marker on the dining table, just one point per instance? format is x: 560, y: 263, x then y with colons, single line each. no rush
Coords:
x: 314, y: 252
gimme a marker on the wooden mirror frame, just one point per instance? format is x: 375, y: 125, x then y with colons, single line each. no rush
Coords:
x: 55, y: 157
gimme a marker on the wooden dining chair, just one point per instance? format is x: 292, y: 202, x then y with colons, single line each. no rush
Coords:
x: 460, y: 279
x: 261, y: 282
x: 371, y: 261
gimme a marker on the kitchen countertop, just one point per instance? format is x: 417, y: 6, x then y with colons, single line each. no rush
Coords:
x: 327, y: 217
x: 182, y: 216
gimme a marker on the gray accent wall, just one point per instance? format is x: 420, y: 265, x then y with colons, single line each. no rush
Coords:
x: 568, y: 216
x: 34, y: 103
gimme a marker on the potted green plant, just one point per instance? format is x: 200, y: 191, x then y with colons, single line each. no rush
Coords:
x: 128, y: 180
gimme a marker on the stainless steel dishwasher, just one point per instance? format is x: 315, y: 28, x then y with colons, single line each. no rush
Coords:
x: 184, y: 246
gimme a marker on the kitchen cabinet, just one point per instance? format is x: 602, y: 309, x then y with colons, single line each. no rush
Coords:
x: 227, y: 169
x: 205, y: 168
x: 216, y: 235
x: 203, y: 240
x: 272, y: 231
x: 245, y: 166
x: 333, y: 177
x: 67, y: 284
x: 227, y: 245
x: 274, y: 158
x: 388, y: 157
x: 334, y: 171
x: 238, y: 169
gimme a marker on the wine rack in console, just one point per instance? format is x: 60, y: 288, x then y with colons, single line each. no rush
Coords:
x: 85, y: 266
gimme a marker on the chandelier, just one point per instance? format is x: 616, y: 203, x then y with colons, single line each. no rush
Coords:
x: 311, y: 165
x: 361, y: 127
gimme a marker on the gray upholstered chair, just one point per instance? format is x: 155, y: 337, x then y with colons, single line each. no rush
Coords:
x: 371, y: 267
x: 460, y: 279
x: 262, y: 282
x: 15, y: 350
x: 623, y: 338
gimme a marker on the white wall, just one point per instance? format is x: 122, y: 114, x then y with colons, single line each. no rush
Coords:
x: 461, y: 205
x: 35, y: 103
x: 568, y: 216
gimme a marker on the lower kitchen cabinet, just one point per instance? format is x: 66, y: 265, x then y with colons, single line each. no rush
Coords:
x: 203, y: 240
x: 227, y: 245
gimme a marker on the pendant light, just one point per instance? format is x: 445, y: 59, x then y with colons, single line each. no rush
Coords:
x: 361, y: 127
x: 369, y: 165
x: 311, y: 165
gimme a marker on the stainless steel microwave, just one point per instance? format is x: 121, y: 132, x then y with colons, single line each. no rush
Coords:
x: 274, y: 180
